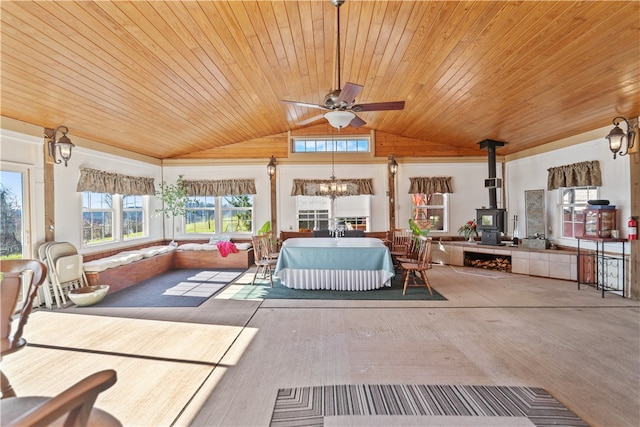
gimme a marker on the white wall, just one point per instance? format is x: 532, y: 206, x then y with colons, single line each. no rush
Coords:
x: 468, y: 191
x: 68, y: 202
x: 24, y: 149
x: 531, y: 173
x: 261, y: 200
x: 287, y: 204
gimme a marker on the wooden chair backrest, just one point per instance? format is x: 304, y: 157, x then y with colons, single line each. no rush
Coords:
x: 261, y: 246
x: 10, y: 291
x: 400, y: 239
x: 257, y: 249
x: 424, y: 251
x: 76, y: 401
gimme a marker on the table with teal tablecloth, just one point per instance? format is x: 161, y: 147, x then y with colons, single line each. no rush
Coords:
x: 347, y: 264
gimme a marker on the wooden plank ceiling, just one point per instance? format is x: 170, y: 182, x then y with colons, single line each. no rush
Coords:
x: 186, y: 79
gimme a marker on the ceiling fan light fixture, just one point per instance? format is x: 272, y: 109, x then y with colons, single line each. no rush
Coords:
x: 339, y: 119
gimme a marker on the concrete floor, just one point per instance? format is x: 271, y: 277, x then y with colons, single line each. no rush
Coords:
x: 222, y: 363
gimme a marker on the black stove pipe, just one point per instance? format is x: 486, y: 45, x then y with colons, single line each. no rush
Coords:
x: 491, y: 145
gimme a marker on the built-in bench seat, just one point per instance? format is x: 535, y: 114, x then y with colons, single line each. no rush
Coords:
x: 125, y: 257
x: 126, y: 268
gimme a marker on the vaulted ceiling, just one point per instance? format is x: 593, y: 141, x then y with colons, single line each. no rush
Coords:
x: 187, y: 79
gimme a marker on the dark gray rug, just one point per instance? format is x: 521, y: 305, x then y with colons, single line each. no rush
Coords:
x: 176, y: 288
x: 307, y: 406
x: 263, y: 290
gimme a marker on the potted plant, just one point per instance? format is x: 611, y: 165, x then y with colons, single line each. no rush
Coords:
x: 174, y: 202
x: 469, y: 231
x: 419, y: 230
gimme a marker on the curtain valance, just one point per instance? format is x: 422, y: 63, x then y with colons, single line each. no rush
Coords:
x: 581, y: 174
x: 304, y: 187
x: 98, y: 181
x: 430, y: 185
x: 222, y: 187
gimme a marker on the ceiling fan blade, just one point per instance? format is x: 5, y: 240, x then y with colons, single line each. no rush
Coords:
x: 379, y: 106
x: 304, y: 104
x: 356, y: 122
x: 349, y: 92
x: 310, y: 120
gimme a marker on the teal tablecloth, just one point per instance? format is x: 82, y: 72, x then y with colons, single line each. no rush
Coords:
x: 334, y: 254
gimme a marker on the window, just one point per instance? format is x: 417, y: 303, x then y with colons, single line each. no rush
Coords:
x: 97, y: 218
x: 573, y: 204
x: 133, y: 217
x: 200, y: 215
x: 433, y: 208
x: 315, y: 213
x: 354, y: 222
x: 323, y: 145
x: 313, y: 219
x: 235, y: 214
x: 113, y: 218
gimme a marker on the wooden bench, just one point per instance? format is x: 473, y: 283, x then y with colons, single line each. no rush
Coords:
x: 126, y: 275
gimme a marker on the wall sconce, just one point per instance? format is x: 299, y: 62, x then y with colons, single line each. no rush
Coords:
x: 619, y: 139
x: 393, y: 165
x: 271, y: 167
x: 60, y: 149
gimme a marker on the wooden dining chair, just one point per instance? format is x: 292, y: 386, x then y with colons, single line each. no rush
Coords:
x: 418, y: 267
x: 400, y: 242
x: 412, y: 253
x: 12, y: 291
x: 263, y: 258
x: 76, y: 402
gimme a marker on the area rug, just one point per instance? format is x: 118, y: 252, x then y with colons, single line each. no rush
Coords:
x: 263, y: 290
x: 308, y: 406
x: 176, y: 288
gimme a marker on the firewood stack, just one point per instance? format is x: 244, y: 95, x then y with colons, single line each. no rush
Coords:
x: 498, y: 264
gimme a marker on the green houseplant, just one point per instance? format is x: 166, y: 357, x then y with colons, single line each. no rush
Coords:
x: 174, y: 199
x: 417, y: 230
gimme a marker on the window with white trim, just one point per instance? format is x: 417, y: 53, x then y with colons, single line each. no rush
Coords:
x: 133, y: 217
x: 97, y: 218
x: 572, y: 204
x: 233, y: 215
x: 357, y: 144
x: 108, y: 218
x: 200, y: 215
x: 431, y: 209
x: 322, y: 213
x: 237, y: 214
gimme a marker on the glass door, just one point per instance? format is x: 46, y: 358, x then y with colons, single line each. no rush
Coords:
x: 14, y: 213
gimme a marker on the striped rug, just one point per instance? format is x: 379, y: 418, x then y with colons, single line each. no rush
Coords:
x: 307, y: 406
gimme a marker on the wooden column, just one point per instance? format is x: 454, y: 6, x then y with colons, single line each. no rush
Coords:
x: 634, y: 172
x: 49, y: 190
x: 274, y: 208
x: 392, y: 200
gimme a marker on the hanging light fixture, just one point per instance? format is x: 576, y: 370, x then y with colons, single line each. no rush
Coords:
x: 60, y: 149
x: 393, y: 165
x: 620, y: 140
x: 339, y: 119
x: 271, y: 167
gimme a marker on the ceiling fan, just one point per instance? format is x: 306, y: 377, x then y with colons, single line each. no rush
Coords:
x: 341, y: 103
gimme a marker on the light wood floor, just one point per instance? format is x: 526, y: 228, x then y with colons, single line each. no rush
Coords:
x: 222, y: 363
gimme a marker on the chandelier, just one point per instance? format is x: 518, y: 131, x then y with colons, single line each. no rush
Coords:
x: 337, y: 188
